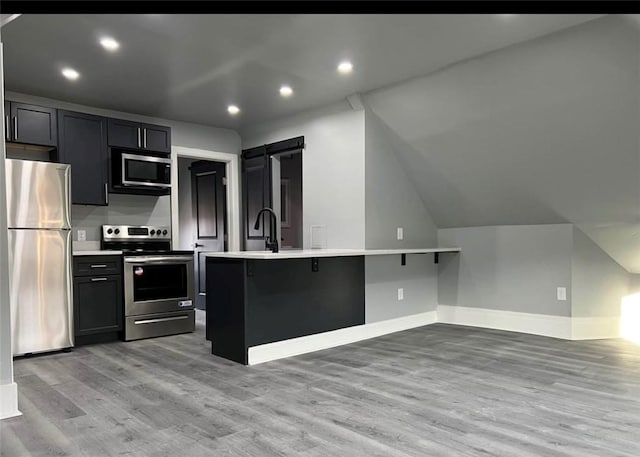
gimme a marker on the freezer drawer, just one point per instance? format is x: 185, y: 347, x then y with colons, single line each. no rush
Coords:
x: 41, y: 290
x: 159, y: 324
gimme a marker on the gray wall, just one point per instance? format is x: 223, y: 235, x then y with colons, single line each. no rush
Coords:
x: 391, y: 198
x: 332, y: 169
x: 510, y: 268
x: 6, y: 360
x: 634, y: 283
x: 384, y: 275
x: 122, y: 210
x: 391, y: 201
x: 598, y: 282
x: 536, y: 133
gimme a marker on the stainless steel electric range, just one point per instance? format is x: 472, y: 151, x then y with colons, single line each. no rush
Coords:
x: 158, y: 282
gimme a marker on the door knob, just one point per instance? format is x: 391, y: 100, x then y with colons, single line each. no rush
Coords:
x: 197, y: 245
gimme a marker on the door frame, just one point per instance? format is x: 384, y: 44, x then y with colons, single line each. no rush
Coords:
x: 232, y: 172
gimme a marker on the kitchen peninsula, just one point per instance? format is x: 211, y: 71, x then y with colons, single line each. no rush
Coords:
x: 255, y: 298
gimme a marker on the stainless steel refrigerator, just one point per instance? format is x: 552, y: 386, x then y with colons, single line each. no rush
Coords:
x: 39, y: 221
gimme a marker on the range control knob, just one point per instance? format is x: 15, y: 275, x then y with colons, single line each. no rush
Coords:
x: 164, y: 232
x: 109, y: 231
x: 158, y: 233
x: 153, y: 232
x: 116, y: 231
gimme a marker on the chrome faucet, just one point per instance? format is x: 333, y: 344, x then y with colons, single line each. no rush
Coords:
x: 270, y: 242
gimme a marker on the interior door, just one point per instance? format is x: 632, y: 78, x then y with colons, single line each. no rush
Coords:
x: 208, y: 198
x: 256, y: 179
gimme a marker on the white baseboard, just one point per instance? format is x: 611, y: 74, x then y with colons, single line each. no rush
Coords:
x: 564, y: 327
x: 594, y: 328
x: 9, y: 401
x: 536, y: 324
x: 310, y: 343
x: 568, y: 328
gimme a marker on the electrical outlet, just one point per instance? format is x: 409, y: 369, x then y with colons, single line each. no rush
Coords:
x: 562, y: 293
x: 400, y: 293
x: 400, y: 233
x: 82, y: 235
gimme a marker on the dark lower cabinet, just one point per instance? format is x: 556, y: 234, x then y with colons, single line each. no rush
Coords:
x: 97, y: 302
x: 254, y: 302
x: 83, y: 145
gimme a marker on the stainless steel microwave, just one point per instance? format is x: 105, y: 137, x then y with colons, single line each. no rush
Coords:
x: 140, y: 170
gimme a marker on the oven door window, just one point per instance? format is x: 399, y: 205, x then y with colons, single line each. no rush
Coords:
x: 159, y: 282
x: 145, y: 172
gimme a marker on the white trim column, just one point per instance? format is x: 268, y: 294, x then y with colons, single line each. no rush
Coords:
x: 8, y: 388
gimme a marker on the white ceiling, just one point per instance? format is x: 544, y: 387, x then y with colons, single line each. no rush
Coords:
x: 190, y: 67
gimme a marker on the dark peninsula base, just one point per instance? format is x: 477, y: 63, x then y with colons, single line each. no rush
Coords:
x: 253, y: 302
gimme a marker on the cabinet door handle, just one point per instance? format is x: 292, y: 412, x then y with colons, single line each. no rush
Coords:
x: 138, y: 136
x: 98, y: 279
x: 144, y: 138
x: 15, y: 127
x: 98, y: 266
x: 7, y: 128
x: 106, y: 193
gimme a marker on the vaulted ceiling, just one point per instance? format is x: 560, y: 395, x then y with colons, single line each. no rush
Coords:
x: 544, y: 132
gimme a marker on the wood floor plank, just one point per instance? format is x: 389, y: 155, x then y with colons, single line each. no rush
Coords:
x: 439, y: 390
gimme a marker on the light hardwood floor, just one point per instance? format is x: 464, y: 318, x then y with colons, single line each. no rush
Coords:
x: 439, y: 390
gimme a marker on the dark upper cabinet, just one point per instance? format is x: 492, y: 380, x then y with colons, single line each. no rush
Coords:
x: 83, y: 145
x: 134, y: 135
x: 124, y: 134
x: 156, y: 138
x: 31, y: 124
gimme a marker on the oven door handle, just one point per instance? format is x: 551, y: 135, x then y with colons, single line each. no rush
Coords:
x: 161, y: 319
x: 158, y: 259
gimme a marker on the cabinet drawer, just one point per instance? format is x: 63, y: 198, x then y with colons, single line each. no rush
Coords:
x: 97, y: 265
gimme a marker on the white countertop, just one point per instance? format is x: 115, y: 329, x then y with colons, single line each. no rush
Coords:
x: 77, y: 252
x: 308, y: 253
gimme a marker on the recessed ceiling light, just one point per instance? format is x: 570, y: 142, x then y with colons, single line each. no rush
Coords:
x: 109, y: 44
x: 286, y: 91
x: 345, y: 67
x: 70, y: 73
x: 233, y: 109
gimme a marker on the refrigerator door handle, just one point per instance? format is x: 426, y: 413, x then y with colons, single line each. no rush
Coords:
x: 69, y: 269
x: 67, y: 201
